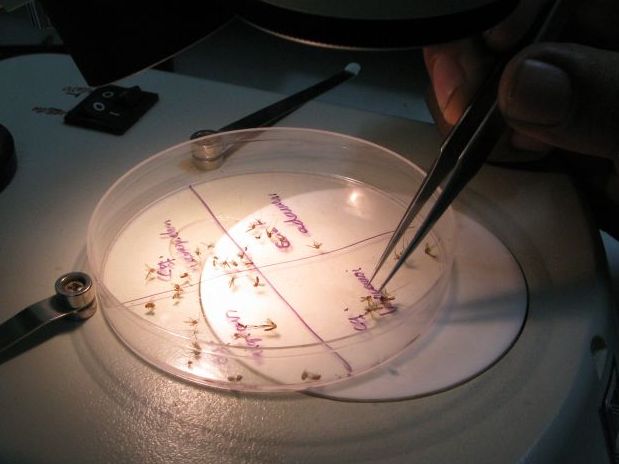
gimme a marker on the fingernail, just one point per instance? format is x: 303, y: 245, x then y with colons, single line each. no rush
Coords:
x: 447, y: 76
x: 541, y: 94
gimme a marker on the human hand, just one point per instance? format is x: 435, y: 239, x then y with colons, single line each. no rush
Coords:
x: 551, y: 94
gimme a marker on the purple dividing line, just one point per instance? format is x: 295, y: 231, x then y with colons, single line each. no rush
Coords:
x: 347, y: 366
x: 278, y: 263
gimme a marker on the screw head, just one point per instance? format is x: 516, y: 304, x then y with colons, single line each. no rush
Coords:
x: 76, y: 290
x: 207, y: 154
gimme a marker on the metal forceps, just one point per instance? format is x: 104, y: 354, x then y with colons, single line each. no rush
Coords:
x: 465, y: 149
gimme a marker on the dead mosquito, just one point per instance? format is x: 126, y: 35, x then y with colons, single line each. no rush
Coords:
x: 372, y: 307
x: 150, y: 307
x: 385, y: 297
x: 270, y: 325
x: 306, y: 375
x: 196, y: 350
x: 254, y: 224
x: 192, y: 322
x: 178, y: 291
x: 429, y: 250
x: 267, y: 327
x: 149, y: 272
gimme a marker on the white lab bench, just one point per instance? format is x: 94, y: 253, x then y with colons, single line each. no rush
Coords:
x: 82, y: 396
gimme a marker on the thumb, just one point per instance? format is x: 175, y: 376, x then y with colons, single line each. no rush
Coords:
x: 564, y: 95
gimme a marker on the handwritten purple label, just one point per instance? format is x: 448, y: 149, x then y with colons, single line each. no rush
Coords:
x: 164, y: 268
x: 179, y: 245
x: 358, y: 322
x: 278, y: 239
x: 383, y: 306
x: 292, y: 217
x: 388, y: 308
x: 253, y: 343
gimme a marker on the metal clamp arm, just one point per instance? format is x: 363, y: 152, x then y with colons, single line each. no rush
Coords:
x: 74, y: 298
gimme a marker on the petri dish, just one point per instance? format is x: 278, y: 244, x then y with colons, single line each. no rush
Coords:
x: 255, y: 275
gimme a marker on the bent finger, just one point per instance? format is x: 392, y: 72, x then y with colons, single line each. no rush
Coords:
x: 565, y: 95
x: 456, y: 70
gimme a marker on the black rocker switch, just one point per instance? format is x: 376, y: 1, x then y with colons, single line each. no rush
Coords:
x: 111, y: 109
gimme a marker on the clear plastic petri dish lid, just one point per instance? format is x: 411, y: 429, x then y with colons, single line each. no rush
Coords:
x: 255, y: 275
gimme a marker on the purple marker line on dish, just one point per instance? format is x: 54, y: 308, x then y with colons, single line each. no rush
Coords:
x: 303, y: 258
x: 347, y: 366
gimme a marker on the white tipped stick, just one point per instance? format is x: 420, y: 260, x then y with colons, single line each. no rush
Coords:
x: 353, y: 68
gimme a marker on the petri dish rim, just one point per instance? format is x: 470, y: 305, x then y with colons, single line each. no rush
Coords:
x: 241, y: 351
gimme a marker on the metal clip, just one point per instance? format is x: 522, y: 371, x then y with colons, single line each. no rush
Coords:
x: 75, y: 299
x: 206, y: 154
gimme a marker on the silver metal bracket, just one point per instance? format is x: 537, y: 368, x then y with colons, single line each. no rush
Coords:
x: 75, y: 299
x: 205, y: 154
